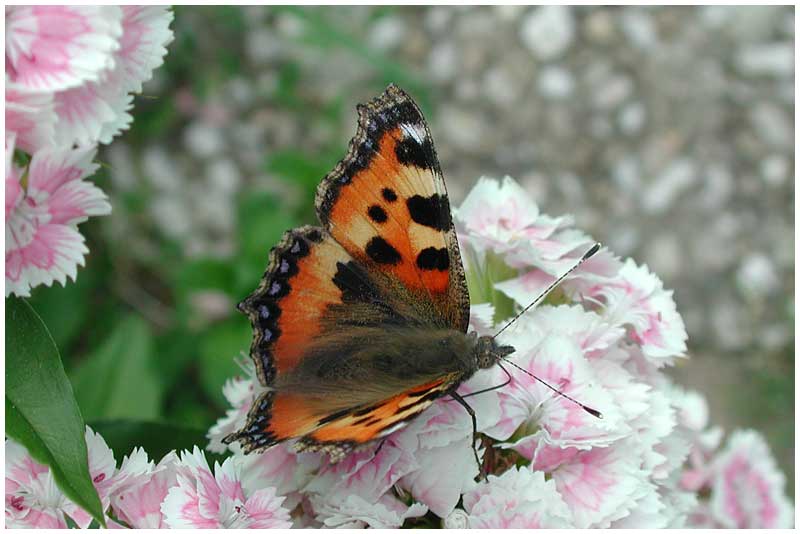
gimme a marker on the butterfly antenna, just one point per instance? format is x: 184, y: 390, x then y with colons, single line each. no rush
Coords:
x: 588, y: 254
x: 589, y: 410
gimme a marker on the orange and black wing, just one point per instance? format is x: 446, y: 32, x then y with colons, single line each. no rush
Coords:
x: 309, y: 277
x: 387, y: 205
x: 387, y: 257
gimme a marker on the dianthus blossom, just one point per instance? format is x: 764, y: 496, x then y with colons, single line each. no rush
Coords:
x: 70, y: 75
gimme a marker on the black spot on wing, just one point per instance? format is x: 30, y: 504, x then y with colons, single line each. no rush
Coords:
x: 433, y: 258
x: 410, y: 152
x: 380, y: 251
x: 377, y: 214
x: 389, y: 195
x: 433, y: 211
x: 352, y: 281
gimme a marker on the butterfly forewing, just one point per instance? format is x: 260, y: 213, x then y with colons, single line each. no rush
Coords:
x: 386, y: 204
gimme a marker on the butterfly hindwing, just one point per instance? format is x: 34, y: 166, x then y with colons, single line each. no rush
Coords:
x: 287, y: 307
x: 386, y: 204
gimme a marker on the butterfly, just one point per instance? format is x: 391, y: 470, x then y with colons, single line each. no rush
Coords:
x: 360, y: 324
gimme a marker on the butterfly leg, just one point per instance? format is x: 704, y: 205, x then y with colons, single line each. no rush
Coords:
x: 380, y: 446
x: 471, y: 413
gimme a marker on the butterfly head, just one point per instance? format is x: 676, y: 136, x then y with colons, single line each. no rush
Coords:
x: 487, y: 352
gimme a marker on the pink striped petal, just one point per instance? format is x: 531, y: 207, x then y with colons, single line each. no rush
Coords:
x: 143, y: 45
x: 31, y: 117
x: 748, y: 490
x: 52, y: 254
x: 52, y: 48
x: 519, y: 498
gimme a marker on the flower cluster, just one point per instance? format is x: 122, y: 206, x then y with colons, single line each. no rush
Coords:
x: 603, y: 339
x: 70, y: 75
x: 181, y: 491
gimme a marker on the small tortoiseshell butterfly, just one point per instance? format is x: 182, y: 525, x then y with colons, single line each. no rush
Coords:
x: 361, y: 323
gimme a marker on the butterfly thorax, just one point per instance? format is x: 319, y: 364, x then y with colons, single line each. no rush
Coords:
x: 365, y: 362
x: 364, y: 359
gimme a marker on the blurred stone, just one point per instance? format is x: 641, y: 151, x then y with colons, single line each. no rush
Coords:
x: 223, y: 176
x: 463, y: 129
x: 665, y: 255
x: 161, y: 170
x: 775, y: 170
x: 631, y: 118
x: 718, y: 187
x: 730, y: 325
x: 203, y: 140
x: 262, y: 45
x: 387, y: 33
x: 599, y: 26
x: 612, y: 92
x: 639, y: 28
x: 500, y: 86
x: 771, y: 59
x: 556, y: 82
x: 667, y: 186
x: 756, y: 275
x: 443, y: 61
x: 772, y: 124
x: 547, y: 31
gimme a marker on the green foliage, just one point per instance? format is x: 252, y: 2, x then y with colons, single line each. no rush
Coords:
x: 41, y: 412
x: 218, y: 346
x: 120, y: 378
x: 157, y: 439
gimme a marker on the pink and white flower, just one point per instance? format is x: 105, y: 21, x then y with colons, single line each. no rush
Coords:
x: 748, y: 489
x: 353, y: 511
x: 519, y: 498
x: 52, y: 48
x: 30, y: 118
x: 637, y: 298
x: 440, y: 441
x: 97, y: 111
x: 42, y: 240
x: 538, y: 415
x: 202, y: 499
x: 240, y: 392
x: 599, y: 485
x: 502, y: 217
x: 33, y: 500
x: 143, y: 487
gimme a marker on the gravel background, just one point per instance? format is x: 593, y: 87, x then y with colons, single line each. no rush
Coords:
x: 667, y: 131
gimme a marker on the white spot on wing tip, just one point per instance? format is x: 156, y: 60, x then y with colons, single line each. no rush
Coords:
x: 414, y: 131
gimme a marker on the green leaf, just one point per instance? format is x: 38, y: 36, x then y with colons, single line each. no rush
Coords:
x: 156, y: 438
x: 119, y: 380
x: 203, y: 274
x: 218, y: 348
x: 65, y: 308
x: 41, y: 411
x: 262, y: 222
